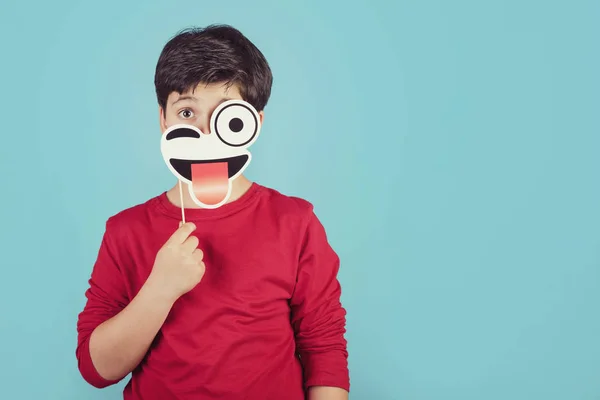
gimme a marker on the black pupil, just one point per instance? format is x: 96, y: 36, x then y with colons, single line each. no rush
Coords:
x: 236, y: 125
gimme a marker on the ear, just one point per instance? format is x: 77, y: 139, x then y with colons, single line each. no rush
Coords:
x: 162, y: 120
x: 261, y: 114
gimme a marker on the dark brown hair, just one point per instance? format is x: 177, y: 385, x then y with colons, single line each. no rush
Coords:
x: 214, y: 54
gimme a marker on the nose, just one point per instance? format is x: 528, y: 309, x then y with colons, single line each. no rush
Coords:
x: 203, y: 127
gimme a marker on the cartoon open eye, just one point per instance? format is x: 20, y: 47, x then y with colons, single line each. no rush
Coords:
x: 236, y: 123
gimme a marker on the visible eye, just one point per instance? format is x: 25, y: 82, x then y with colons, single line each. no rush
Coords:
x: 186, y: 113
x: 236, y: 124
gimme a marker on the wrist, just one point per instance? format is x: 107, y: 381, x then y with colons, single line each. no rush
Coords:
x: 156, y: 291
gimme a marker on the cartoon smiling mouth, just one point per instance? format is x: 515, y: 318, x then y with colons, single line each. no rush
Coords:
x: 210, y: 178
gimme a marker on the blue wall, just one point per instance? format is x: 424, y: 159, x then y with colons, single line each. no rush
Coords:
x: 450, y: 148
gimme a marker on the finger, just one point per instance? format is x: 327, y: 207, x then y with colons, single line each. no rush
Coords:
x: 182, y: 233
x: 190, y: 244
x: 198, y: 255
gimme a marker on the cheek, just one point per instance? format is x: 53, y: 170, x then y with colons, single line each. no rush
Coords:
x: 170, y: 120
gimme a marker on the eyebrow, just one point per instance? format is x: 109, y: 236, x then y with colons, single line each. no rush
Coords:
x: 187, y: 97
x: 182, y: 98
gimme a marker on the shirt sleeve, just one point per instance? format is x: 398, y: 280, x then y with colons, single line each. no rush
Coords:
x: 318, y: 318
x: 106, y: 297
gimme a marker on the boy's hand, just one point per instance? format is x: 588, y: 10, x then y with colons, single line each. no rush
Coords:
x: 178, y: 266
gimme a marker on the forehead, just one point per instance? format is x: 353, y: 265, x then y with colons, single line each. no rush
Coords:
x: 206, y: 94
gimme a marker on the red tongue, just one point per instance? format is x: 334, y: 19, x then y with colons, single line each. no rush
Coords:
x: 210, y: 182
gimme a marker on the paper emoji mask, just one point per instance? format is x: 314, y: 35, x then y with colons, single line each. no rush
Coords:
x: 208, y: 163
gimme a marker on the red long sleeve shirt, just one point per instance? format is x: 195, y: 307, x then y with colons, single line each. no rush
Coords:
x: 265, y: 322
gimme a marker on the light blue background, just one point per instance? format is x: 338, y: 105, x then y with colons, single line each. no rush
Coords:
x: 450, y: 148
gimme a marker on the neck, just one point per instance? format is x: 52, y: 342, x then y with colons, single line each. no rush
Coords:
x: 239, y: 186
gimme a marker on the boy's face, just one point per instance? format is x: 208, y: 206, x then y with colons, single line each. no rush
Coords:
x: 209, y: 164
x: 196, y: 106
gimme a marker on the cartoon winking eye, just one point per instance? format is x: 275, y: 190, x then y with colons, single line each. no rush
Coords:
x: 208, y: 163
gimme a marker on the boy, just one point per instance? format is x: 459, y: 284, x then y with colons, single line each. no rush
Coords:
x: 241, y: 301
